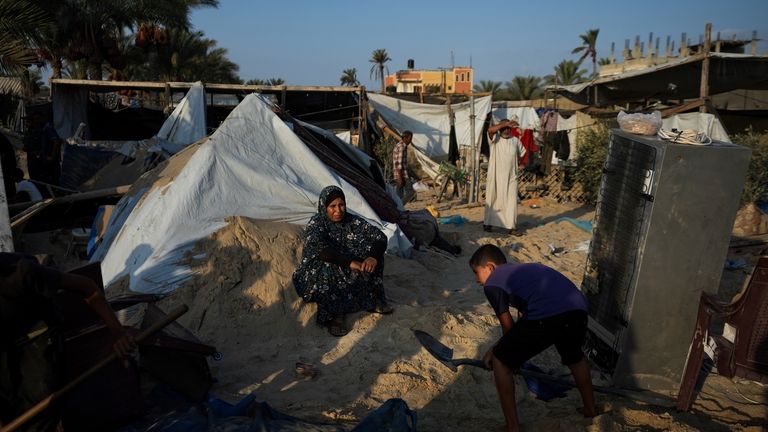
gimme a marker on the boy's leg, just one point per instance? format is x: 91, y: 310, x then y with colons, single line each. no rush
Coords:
x: 505, y: 387
x: 583, y: 379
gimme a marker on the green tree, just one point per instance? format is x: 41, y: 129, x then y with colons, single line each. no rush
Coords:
x: 524, y: 87
x: 188, y: 56
x: 379, y: 58
x: 588, y: 48
x: 349, y: 78
x: 567, y: 72
x: 488, y: 86
x: 604, y: 61
x: 20, y: 24
x: 91, y: 29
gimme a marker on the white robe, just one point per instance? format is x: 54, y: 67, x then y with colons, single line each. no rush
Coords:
x: 501, y: 183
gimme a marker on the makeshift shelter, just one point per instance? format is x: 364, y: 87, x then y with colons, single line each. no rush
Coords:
x: 431, y: 125
x: 101, y: 164
x: 672, y: 80
x: 253, y: 165
x: 704, y: 123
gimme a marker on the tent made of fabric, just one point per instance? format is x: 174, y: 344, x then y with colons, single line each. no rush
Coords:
x: 697, y: 122
x: 527, y: 117
x: 254, y: 165
x: 186, y: 124
x: 430, y: 124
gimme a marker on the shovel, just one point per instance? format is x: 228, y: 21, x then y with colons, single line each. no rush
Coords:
x: 444, y: 355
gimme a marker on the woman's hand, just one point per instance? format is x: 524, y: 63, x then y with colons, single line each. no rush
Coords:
x: 366, y: 266
x: 369, y: 265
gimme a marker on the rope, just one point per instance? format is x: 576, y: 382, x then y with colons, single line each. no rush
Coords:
x: 685, y: 137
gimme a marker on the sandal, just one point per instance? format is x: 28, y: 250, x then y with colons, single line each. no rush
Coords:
x: 383, y: 309
x: 336, y: 327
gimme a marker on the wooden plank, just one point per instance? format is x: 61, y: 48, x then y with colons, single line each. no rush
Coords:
x: 160, y: 86
x: 682, y: 108
x: 101, y: 193
x: 704, y: 90
x: 27, y: 214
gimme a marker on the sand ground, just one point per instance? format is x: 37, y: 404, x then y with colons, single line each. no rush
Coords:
x: 244, y: 304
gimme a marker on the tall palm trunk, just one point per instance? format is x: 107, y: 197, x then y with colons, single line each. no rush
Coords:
x: 56, y: 67
x: 381, y: 72
x: 94, y: 70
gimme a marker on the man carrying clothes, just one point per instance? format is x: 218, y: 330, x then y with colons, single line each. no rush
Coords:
x: 553, y: 312
x: 400, y: 166
x: 501, y: 183
x: 28, y: 365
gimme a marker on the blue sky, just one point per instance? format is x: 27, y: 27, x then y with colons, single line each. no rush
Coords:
x: 310, y: 42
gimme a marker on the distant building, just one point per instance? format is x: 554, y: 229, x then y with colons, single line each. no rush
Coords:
x: 457, y: 80
x: 640, y: 56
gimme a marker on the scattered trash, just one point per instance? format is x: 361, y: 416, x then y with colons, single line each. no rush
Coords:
x: 736, y: 264
x: 307, y: 371
x: 581, y: 247
x: 581, y: 224
x: 514, y: 247
x: 431, y: 209
x: 556, y: 251
x: 535, y: 206
x: 455, y: 220
x: 421, y: 187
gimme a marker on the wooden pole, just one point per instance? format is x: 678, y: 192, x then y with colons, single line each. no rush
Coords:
x: 6, y: 239
x: 475, y: 185
x: 45, y: 403
x: 704, y: 92
x: 100, y: 193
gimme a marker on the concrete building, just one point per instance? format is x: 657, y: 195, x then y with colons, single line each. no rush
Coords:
x: 456, y: 80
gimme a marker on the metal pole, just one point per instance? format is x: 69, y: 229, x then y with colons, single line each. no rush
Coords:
x: 475, y: 152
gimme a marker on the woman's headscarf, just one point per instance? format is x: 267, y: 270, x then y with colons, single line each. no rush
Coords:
x: 352, y: 235
x: 328, y: 194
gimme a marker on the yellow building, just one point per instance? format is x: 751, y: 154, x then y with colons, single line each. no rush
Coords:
x: 450, y: 81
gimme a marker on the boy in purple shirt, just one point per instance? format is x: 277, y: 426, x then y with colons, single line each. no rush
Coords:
x: 553, y: 312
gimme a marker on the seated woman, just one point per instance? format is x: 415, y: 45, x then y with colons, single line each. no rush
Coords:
x: 342, y: 265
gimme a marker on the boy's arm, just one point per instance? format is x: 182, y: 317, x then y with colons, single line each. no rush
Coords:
x: 506, y: 321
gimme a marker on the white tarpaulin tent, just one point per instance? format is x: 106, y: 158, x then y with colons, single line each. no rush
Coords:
x: 430, y: 123
x: 186, y: 124
x: 698, y: 122
x: 253, y: 166
x: 527, y: 117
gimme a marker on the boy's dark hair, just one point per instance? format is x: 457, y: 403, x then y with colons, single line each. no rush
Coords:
x: 485, y: 254
x: 409, y: 133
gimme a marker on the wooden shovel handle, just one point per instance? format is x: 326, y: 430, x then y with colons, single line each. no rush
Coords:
x: 45, y: 403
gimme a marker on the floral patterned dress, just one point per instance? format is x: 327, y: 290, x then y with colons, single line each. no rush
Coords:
x: 336, y: 288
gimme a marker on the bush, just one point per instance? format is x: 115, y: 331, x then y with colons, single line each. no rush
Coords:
x: 590, y: 158
x: 382, y: 152
x: 756, y: 183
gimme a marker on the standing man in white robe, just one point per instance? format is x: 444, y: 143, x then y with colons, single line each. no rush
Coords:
x: 501, y: 183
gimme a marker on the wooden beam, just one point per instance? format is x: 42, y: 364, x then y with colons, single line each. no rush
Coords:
x: 82, y: 196
x: 704, y: 90
x: 682, y: 108
x: 215, y: 88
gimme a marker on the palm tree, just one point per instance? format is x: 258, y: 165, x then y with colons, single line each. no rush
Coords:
x: 588, y: 48
x: 603, y: 61
x: 20, y: 24
x: 379, y: 57
x: 488, y: 86
x: 349, y: 77
x: 524, y: 87
x: 567, y: 72
x: 92, y: 28
x: 275, y: 82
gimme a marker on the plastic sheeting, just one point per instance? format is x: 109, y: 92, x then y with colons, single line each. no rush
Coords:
x: 186, y: 124
x: 430, y: 123
x: 392, y: 416
x: 252, y: 166
x: 70, y: 108
x: 527, y: 117
x: 699, y: 122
